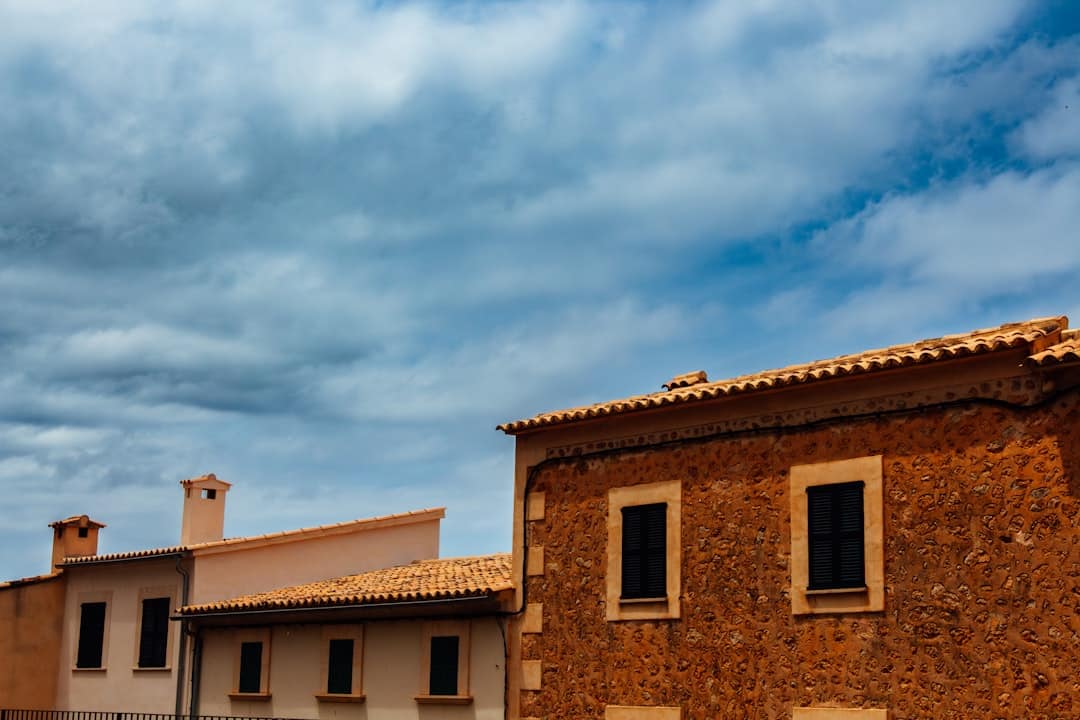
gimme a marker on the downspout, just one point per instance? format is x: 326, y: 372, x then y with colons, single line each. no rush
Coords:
x: 181, y: 663
x: 196, y: 673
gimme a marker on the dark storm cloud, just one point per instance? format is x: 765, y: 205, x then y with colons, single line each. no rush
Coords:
x: 322, y: 250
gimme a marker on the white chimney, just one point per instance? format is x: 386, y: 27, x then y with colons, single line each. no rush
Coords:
x: 204, y: 510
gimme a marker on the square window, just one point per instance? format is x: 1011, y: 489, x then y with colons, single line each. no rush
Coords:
x: 444, y: 672
x: 154, y: 633
x: 644, y: 554
x: 91, y: 635
x: 837, y: 545
x: 644, y: 551
x: 250, y: 667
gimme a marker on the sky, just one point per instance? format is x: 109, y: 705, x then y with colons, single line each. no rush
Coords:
x: 323, y: 249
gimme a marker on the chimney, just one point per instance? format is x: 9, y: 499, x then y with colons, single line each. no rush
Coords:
x: 204, y: 509
x: 76, y: 536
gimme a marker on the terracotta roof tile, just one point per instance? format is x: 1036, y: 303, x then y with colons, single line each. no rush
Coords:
x: 1066, y: 351
x: 282, y: 536
x: 440, y: 579
x: 978, y: 342
x: 28, y: 580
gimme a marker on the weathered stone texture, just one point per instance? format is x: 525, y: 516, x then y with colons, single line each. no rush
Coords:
x: 982, y: 572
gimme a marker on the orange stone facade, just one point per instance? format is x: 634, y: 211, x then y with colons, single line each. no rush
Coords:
x: 981, y: 507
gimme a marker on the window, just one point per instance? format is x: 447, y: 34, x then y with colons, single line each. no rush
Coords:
x: 250, y: 667
x: 835, y: 534
x: 343, y: 652
x: 644, y: 551
x: 84, y: 532
x: 251, y: 671
x: 644, y: 554
x: 837, y: 558
x: 154, y: 633
x: 445, y: 663
x: 91, y: 635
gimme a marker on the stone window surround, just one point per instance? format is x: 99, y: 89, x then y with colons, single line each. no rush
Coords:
x: 461, y: 629
x: 252, y: 635
x: 106, y: 597
x: 668, y: 608
x: 824, y: 713
x: 870, y: 598
x: 640, y: 712
x: 343, y: 632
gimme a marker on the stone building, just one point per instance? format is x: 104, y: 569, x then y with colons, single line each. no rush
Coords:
x: 886, y: 534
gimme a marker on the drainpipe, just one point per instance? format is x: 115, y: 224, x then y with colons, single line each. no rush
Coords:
x: 181, y: 661
x: 196, y: 672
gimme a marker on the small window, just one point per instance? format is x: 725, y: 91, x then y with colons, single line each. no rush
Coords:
x: 91, y: 635
x: 84, y: 532
x: 250, y: 667
x: 644, y: 551
x: 835, y: 536
x: 443, y: 677
x: 339, y: 673
x: 209, y: 494
x: 154, y: 634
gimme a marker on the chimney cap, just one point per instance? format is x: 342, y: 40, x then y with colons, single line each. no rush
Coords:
x: 206, y: 481
x: 82, y: 521
x: 686, y: 380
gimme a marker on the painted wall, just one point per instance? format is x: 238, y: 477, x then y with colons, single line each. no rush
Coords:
x: 982, y: 560
x: 391, y: 674
x: 120, y: 685
x: 31, y: 624
x: 227, y: 572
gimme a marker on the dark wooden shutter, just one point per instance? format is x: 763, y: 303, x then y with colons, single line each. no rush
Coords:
x: 154, y: 634
x: 250, y: 667
x: 91, y: 635
x: 339, y: 670
x: 443, y: 679
x: 644, y: 551
x: 835, y: 534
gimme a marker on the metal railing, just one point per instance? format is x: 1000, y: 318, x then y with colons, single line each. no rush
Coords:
x: 13, y: 714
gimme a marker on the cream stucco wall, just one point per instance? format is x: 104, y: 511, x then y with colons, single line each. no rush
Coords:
x: 391, y: 674
x: 230, y: 571
x: 119, y: 685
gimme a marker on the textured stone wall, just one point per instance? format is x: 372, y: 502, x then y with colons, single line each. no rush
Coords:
x: 982, y: 573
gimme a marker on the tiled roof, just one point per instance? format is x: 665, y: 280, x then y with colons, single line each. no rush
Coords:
x: 1066, y: 351
x: 282, y: 536
x: 687, y: 388
x: 441, y: 579
x: 28, y: 580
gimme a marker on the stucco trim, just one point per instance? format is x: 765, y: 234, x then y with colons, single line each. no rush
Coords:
x: 262, y: 635
x: 638, y: 712
x: 822, y: 713
x: 461, y: 628
x: 868, y: 599
x: 667, y: 608
x: 106, y: 597
x: 342, y: 632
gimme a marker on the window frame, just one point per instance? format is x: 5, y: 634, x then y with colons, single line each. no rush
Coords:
x: 150, y: 593
x: 342, y: 632
x: 446, y: 628
x: 92, y: 599
x: 867, y: 598
x: 261, y: 635
x: 666, y: 607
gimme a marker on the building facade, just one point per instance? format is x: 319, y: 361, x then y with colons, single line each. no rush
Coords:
x: 416, y: 642
x: 889, y: 534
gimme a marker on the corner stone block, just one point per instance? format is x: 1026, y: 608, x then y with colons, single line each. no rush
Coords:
x: 535, y: 560
x: 535, y: 503
x: 531, y: 678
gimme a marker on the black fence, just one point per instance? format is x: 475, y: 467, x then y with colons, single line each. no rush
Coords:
x: 6, y: 714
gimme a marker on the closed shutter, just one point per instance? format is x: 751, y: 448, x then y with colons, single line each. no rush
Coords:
x: 154, y: 634
x: 835, y: 534
x: 91, y: 635
x: 644, y: 551
x: 443, y: 679
x: 250, y: 667
x: 339, y: 670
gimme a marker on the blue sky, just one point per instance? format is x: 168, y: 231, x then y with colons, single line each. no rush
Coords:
x: 321, y: 250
